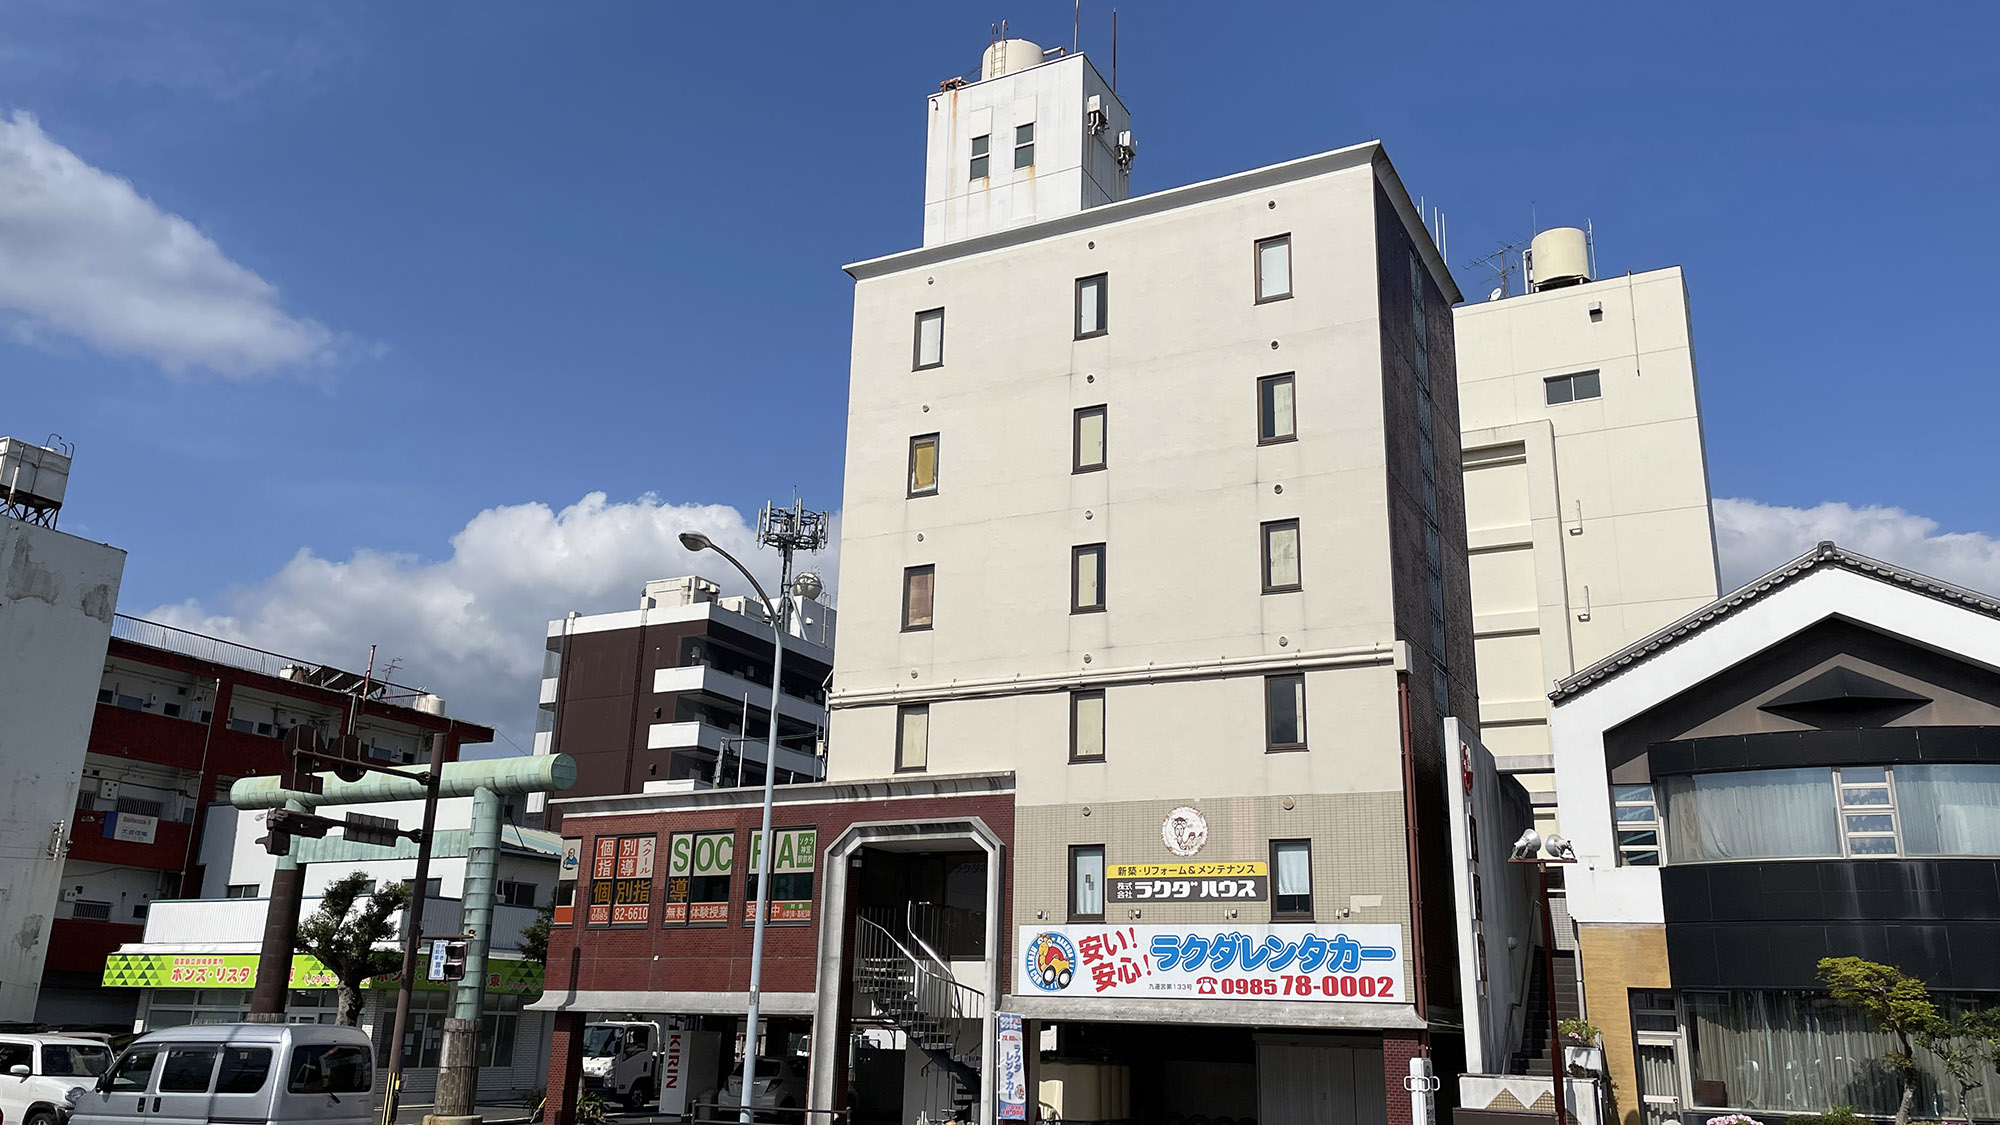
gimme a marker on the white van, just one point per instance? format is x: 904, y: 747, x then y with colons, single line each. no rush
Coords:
x: 36, y: 1071
x: 236, y: 1074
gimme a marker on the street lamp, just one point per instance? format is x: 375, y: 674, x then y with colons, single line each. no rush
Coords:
x: 696, y: 542
x: 1529, y: 849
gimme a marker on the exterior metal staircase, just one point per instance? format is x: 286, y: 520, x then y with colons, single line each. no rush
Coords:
x: 912, y: 987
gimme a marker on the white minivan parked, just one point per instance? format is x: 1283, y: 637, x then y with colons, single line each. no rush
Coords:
x: 36, y: 1071
x: 236, y: 1074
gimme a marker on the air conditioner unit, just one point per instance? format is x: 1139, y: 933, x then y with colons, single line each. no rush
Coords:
x: 69, y: 894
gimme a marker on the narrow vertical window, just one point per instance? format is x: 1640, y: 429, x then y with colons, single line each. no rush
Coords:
x: 1285, y: 712
x: 1291, y: 880
x: 918, y: 589
x: 1281, y: 556
x: 1275, y: 420
x: 913, y: 738
x: 923, y: 464
x: 1086, y: 726
x: 1024, y: 145
x: 980, y: 144
x: 1086, y: 882
x: 1636, y: 813
x: 1086, y: 586
x: 929, y: 350
x: 1091, y: 306
x: 1274, y: 268
x: 1089, y: 440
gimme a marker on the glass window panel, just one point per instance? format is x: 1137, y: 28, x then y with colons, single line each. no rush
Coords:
x: 918, y: 584
x: 1090, y: 306
x: 1087, y: 575
x: 1647, y: 839
x: 187, y: 1070
x: 1584, y: 385
x: 923, y: 464
x: 1864, y: 775
x: 1024, y: 145
x: 134, y: 1069
x: 331, y: 1069
x: 1755, y: 814
x: 1281, y: 555
x: 1642, y: 858
x: 1087, y: 724
x: 243, y: 1070
x: 1275, y: 420
x: 981, y: 143
x: 1635, y: 814
x: 1559, y: 390
x: 1294, y: 871
x: 1861, y: 796
x: 1024, y: 134
x: 1872, y: 845
x: 913, y: 738
x: 1090, y: 438
x: 1950, y: 810
x: 1274, y: 268
x: 980, y: 170
x: 1285, y: 711
x: 1871, y: 822
x: 1087, y: 882
x: 930, y: 338
x: 1632, y: 793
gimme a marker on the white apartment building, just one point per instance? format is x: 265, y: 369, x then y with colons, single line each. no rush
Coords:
x: 1152, y: 504
x: 1586, y: 484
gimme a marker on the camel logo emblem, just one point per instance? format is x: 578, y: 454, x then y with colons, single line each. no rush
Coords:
x: 1185, y: 831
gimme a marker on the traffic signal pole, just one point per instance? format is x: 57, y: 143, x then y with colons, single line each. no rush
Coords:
x: 413, y: 931
x: 281, y: 927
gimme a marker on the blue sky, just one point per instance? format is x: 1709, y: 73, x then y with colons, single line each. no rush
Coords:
x: 468, y: 264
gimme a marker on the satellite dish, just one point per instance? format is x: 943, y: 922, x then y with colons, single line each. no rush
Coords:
x: 1496, y: 294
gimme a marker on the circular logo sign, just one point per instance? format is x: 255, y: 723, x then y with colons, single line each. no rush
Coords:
x: 1184, y: 831
x: 1051, y: 961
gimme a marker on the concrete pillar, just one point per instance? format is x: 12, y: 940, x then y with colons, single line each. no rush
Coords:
x: 458, y: 1075
x: 458, y: 1072
x: 565, y: 1069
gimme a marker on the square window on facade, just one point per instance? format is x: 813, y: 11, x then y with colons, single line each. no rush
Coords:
x: 1086, y: 726
x: 980, y: 146
x: 1091, y: 306
x: 1276, y: 420
x: 1086, y: 587
x: 1086, y: 882
x: 1291, y: 880
x: 1089, y: 440
x: 929, y: 347
x: 918, y: 583
x: 1024, y: 145
x: 1281, y: 556
x: 1285, y: 712
x: 1274, y: 268
x: 1560, y: 389
x: 913, y: 738
x: 923, y: 465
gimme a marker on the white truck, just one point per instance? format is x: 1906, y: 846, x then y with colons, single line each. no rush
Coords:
x: 621, y: 1060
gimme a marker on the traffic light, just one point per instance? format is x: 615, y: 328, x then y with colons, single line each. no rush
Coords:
x: 454, y: 960
x: 285, y: 824
x: 303, y: 746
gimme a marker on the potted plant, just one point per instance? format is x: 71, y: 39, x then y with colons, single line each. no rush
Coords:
x: 1581, y: 1048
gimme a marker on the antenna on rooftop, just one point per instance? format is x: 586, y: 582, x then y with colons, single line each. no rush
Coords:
x: 1501, y: 265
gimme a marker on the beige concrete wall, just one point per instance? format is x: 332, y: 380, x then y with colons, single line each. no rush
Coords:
x: 1358, y: 857
x: 1615, y: 960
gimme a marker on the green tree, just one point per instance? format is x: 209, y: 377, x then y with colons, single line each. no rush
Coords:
x: 1898, y: 1003
x: 535, y: 937
x: 345, y: 940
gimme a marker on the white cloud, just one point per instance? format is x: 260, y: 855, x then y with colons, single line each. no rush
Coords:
x: 471, y: 627
x: 83, y: 254
x: 1754, y: 538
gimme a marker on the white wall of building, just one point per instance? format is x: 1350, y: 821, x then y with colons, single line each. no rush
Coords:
x: 1074, y: 168
x: 1588, y: 521
x: 57, y: 594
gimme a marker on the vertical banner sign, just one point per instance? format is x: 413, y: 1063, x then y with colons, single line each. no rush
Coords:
x: 699, y: 865
x: 572, y: 859
x: 603, y: 867
x: 792, y: 863
x: 632, y: 889
x: 673, y: 1073
x: 1012, y: 1086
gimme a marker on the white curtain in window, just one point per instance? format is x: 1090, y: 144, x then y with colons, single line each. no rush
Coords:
x: 914, y: 750
x: 1089, y: 725
x: 1949, y: 810
x: 1756, y: 814
x: 1294, y: 872
x: 1090, y: 439
x: 1089, y: 882
x: 930, y: 339
x: 1274, y: 269
x: 1282, y: 544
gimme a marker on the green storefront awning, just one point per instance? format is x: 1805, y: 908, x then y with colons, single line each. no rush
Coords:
x: 239, y: 970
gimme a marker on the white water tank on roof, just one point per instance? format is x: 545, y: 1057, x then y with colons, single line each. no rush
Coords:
x: 1006, y: 56
x: 31, y: 474
x: 429, y: 704
x: 1561, y: 256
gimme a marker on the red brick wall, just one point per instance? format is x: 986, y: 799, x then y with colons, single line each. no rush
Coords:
x: 651, y: 958
x: 565, y: 1069
x: 1398, y: 1048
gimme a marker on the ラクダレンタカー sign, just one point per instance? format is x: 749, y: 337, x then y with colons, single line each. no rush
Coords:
x: 1276, y: 961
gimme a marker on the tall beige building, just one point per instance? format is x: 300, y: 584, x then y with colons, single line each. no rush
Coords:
x: 1586, y: 484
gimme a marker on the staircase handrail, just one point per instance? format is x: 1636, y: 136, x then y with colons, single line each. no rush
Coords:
x: 941, y: 983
